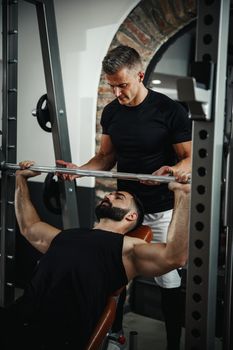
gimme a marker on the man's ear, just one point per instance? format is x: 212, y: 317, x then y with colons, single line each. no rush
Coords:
x: 141, y: 76
x: 131, y: 216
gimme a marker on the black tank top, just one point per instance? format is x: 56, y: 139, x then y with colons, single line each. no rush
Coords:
x: 71, y: 284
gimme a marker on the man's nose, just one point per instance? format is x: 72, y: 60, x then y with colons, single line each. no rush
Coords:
x: 117, y: 91
x: 109, y: 196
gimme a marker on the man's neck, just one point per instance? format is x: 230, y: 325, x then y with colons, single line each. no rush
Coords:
x: 110, y: 225
x: 142, y: 93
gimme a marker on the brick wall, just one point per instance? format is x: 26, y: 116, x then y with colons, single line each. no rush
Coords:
x: 149, y: 25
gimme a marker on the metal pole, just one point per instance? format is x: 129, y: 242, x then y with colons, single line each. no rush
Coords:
x: 212, y: 40
x: 56, y: 100
x: 9, y: 141
x: 93, y: 173
x: 133, y: 337
x: 228, y: 222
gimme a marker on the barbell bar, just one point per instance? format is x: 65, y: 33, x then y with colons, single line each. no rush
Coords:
x: 92, y: 173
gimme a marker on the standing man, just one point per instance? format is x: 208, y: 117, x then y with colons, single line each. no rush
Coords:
x: 145, y: 132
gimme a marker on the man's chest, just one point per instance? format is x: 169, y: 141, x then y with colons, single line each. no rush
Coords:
x: 139, y: 131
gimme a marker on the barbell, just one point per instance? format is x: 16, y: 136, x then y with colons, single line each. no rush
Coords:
x: 91, y: 173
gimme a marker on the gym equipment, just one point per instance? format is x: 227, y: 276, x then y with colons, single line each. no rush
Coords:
x: 9, y: 30
x: 208, y: 114
x: 51, y: 194
x: 56, y: 103
x: 42, y: 113
x: 91, y: 173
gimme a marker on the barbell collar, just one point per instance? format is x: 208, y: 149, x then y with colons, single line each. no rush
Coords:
x: 93, y: 173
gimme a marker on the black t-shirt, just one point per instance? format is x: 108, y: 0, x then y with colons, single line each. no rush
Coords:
x: 70, y: 287
x: 143, y: 138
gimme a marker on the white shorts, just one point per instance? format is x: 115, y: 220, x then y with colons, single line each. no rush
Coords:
x: 159, y: 223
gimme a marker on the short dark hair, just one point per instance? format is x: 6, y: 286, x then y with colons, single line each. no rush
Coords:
x: 140, y: 210
x: 120, y: 57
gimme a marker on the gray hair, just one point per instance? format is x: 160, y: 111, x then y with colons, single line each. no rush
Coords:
x: 120, y: 57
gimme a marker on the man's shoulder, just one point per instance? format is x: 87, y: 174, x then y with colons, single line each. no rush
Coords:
x: 166, y: 104
x: 162, y: 99
x: 109, y: 111
x: 130, y: 242
x: 113, y: 105
x: 73, y: 232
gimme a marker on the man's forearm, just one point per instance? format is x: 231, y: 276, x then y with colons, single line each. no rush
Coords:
x: 25, y: 212
x: 100, y: 162
x: 177, y: 239
x: 183, y: 165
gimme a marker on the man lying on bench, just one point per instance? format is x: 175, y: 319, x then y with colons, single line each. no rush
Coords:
x: 81, y: 267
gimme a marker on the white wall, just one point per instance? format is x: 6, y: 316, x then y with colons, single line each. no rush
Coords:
x: 175, y: 59
x: 85, y: 31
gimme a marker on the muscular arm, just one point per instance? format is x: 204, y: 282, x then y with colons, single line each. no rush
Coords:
x: 105, y: 159
x: 38, y: 233
x: 184, y: 152
x: 158, y: 258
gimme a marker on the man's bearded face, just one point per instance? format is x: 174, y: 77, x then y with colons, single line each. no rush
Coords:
x: 105, y: 210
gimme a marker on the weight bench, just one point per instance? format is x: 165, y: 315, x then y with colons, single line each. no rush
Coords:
x: 107, y: 318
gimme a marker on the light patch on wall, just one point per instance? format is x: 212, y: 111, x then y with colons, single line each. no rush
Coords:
x: 86, y: 143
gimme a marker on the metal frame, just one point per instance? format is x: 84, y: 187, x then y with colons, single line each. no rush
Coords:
x: 9, y: 140
x: 212, y: 38
x: 228, y: 218
x: 56, y: 100
x: 55, y: 93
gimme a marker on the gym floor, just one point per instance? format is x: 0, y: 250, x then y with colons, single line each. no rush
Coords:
x: 143, y: 298
x: 151, y: 333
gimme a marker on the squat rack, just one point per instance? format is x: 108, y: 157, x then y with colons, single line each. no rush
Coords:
x: 209, y: 69
x: 54, y: 86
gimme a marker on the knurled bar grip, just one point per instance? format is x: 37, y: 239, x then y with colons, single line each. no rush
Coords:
x: 92, y: 173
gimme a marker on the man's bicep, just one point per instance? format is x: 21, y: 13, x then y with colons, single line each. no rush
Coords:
x: 183, y: 149
x: 149, y: 259
x: 106, y: 146
x: 106, y: 154
x: 41, y: 235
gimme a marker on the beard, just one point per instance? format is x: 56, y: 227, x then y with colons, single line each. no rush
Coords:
x: 103, y: 211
